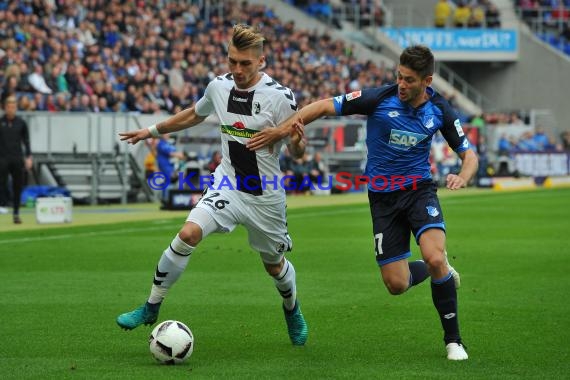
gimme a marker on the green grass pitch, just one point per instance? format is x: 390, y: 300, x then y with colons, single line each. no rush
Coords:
x: 61, y: 290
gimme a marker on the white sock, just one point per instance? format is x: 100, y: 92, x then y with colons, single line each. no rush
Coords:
x: 170, y: 266
x: 286, y: 285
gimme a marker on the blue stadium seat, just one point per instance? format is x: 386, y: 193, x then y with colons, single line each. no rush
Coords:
x: 554, y: 41
x: 543, y: 37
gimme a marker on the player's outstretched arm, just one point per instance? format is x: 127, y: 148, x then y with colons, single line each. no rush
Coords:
x: 307, y: 114
x: 469, y: 166
x: 182, y: 120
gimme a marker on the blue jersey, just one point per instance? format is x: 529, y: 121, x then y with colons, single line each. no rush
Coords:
x: 398, y: 136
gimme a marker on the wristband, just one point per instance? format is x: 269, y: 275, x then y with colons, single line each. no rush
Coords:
x: 153, y: 131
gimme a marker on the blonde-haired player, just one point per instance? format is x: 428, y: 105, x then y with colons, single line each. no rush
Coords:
x: 246, y: 188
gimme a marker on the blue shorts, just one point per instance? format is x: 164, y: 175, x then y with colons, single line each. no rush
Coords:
x: 397, y: 214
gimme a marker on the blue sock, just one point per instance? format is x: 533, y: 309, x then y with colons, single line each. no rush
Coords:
x: 418, y: 272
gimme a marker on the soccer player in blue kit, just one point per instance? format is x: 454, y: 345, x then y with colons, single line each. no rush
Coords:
x: 402, y: 120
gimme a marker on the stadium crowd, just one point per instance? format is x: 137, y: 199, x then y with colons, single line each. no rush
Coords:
x: 157, y: 56
x: 146, y: 57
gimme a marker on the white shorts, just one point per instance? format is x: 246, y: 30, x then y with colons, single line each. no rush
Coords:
x: 266, y: 224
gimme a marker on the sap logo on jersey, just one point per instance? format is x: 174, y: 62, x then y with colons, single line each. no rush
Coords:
x: 404, y: 139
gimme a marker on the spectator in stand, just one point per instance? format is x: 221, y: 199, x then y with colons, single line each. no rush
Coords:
x: 492, y: 16
x: 526, y: 143
x: 214, y: 162
x: 317, y: 169
x: 442, y: 13
x: 61, y: 103
x: 478, y: 122
x: 300, y: 168
x: 26, y: 104
x: 504, y: 145
x: 461, y: 15
x: 477, y: 19
x: 38, y: 81
x: 286, y: 167
x: 540, y: 138
x: 515, y: 119
x: 10, y: 87
x: 553, y: 145
x: 102, y: 105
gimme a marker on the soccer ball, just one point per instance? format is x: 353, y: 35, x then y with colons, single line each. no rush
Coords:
x: 171, y: 342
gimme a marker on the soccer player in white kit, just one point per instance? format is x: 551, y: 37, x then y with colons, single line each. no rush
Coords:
x: 246, y: 188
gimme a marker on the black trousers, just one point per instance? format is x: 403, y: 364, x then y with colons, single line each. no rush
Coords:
x: 15, y: 169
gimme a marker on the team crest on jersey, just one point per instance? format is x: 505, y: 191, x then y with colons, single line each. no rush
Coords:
x: 404, y: 140
x: 432, y: 211
x: 430, y: 123
x: 353, y: 95
x: 256, y: 108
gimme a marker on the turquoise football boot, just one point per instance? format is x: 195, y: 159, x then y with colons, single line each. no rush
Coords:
x: 147, y: 314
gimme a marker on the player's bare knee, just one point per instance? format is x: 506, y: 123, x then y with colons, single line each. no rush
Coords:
x: 396, y: 286
x: 273, y: 269
x: 191, y: 234
x: 435, y: 262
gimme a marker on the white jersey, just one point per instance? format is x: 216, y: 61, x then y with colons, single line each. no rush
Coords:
x: 243, y: 113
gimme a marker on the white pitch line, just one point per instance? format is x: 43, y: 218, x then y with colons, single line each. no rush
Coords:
x: 159, y: 225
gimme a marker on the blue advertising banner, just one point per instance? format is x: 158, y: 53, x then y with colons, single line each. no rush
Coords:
x: 501, y: 43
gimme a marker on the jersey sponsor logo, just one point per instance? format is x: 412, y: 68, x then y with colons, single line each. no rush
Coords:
x: 240, y: 102
x: 432, y: 211
x: 458, y: 128
x: 238, y: 130
x: 393, y: 114
x: 405, y: 140
x: 353, y: 95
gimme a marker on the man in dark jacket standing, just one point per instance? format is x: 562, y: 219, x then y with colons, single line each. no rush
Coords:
x: 15, y: 154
